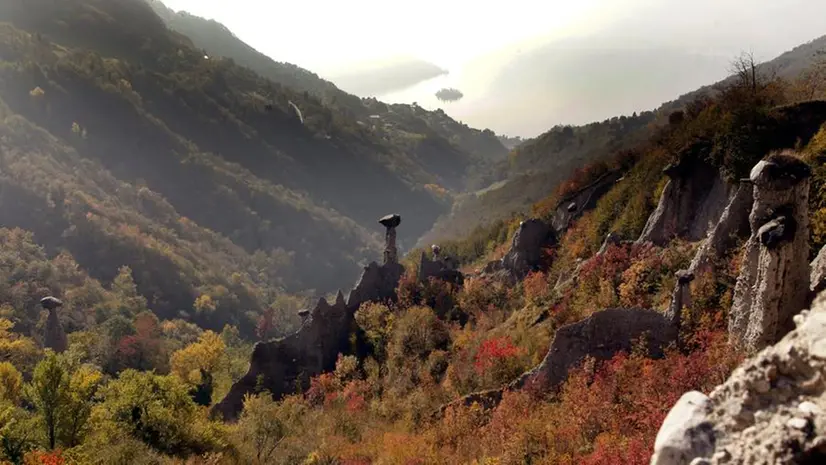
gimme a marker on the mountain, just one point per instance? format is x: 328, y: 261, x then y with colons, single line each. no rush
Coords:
x: 377, y: 78
x: 148, y: 153
x: 452, y: 151
x: 536, y: 168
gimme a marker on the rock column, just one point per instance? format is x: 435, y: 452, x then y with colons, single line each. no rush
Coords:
x: 54, y: 337
x: 774, y: 277
x: 391, y: 253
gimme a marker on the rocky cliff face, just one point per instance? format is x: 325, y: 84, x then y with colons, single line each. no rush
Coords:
x: 525, y: 253
x: 690, y: 205
x: 774, y: 275
x: 770, y: 411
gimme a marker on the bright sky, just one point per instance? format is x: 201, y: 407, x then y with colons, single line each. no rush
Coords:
x: 325, y: 34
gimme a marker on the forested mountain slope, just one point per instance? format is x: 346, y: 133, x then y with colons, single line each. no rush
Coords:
x: 272, y: 169
x: 441, y: 145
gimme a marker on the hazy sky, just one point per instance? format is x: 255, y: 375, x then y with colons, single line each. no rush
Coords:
x: 324, y: 34
x: 525, y: 65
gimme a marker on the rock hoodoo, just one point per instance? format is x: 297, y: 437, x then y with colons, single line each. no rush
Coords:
x: 391, y: 253
x: 769, y: 412
x: 54, y: 337
x: 691, y: 202
x: 774, y: 277
x: 284, y: 366
x: 601, y: 336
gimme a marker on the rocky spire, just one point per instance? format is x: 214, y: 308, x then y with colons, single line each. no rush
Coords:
x: 773, y: 285
x: 54, y: 337
x: 391, y: 253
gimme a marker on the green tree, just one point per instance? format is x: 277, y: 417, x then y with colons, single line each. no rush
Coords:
x: 156, y: 410
x: 73, y: 423
x: 11, y: 382
x: 48, y: 392
x: 264, y: 424
x: 131, y: 301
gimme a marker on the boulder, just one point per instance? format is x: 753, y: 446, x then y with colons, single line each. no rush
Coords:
x: 686, y: 432
x: 773, y: 286
x: 769, y: 411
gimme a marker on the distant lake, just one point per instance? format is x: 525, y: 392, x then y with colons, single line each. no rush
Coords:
x: 424, y: 94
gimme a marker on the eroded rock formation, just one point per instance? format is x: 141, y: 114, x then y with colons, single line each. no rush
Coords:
x: 577, y: 203
x: 769, y: 412
x: 441, y: 267
x: 774, y: 277
x: 54, y: 336
x: 284, y: 366
x: 600, y: 336
x: 732, y: 226
x: 817, y: 278
x: 525, y: 253
x: 690, y: 205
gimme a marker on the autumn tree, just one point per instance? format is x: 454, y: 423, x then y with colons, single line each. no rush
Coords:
x: 73, y: 424
x: 11, y: 383
x: 198, y: 363
x: 48, y: 393
x: 264, y: 424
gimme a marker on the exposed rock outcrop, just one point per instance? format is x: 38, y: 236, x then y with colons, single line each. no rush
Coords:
x: 575, y: 204
x: 441, y: 268
x: 54, y: 336
x: 769, y: 412
x: 817, y: 278
x: 600, y: 336
x: 774, y: 277
x: 732, y: 226
x: 284, y: 366
x: 525, y: 254
x: 690, y: 205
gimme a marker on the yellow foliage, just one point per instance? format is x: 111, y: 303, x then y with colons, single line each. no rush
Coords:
x: 11, y: 382
x: 14, y: 348
x: 205, y: 303
x: 207, y: 354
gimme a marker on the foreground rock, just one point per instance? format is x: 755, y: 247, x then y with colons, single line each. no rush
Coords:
x: 774, y: 275
x: 770, y: 411
x: 284, y: 366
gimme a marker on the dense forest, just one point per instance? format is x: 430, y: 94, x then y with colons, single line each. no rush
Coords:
x: 184, y: 204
